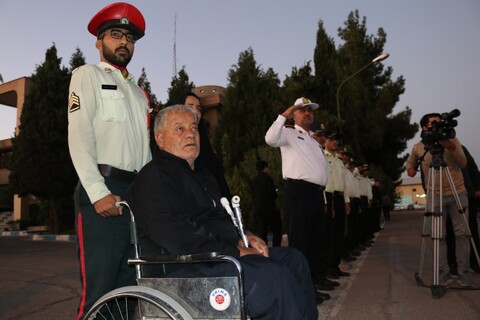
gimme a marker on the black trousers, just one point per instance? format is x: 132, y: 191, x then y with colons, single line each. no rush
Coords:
x: 365, y: 218
x: 278, y: 287
x: 305, y: 218
x: 352, y: 237
x: 103, y: 248
x: 336, y: 219
x: 272, y: 221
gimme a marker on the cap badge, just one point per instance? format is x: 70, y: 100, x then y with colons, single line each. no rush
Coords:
x: 305, y: 100
x: 124, y: 21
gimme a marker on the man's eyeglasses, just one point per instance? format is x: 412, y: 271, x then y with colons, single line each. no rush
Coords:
x: 117, y: 34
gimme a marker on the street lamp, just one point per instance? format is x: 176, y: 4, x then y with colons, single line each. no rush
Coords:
x: 381, y: 57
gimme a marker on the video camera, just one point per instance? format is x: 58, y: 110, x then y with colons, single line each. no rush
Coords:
x: 443, y: 129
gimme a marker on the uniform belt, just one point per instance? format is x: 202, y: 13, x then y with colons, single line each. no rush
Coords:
x: 340, y: 193
x: 306, y: 183
x: 117, y: 174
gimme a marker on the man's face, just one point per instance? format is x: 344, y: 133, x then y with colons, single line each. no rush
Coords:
x: 430, y: 121
x: 194, y: 103
x: 331, y: 144
x: 115, y: 51
x: 180, y: 136
x: 303, y: 117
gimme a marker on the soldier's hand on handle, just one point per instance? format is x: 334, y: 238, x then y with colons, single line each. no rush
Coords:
x: 107, y: 206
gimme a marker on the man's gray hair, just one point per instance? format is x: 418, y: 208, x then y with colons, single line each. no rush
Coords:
x: 162, y: 116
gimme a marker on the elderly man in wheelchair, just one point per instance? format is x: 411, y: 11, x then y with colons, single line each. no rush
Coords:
x: 178, y: 212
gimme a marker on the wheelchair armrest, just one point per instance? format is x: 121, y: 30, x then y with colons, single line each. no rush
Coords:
x: 170, y: 258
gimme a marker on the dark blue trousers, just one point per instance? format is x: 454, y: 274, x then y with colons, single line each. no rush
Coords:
x: 278, y: 287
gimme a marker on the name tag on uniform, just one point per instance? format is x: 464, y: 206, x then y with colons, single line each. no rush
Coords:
x: 109, y: 87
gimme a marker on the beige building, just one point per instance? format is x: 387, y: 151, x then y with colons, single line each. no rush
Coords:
x: 411, y: 191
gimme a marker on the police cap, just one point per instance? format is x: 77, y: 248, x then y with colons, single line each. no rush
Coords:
x: 118, y: 15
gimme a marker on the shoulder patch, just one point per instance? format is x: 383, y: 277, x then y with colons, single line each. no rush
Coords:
x: 73, y: 103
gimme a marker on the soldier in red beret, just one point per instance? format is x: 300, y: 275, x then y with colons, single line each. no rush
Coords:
x: 108, y: 138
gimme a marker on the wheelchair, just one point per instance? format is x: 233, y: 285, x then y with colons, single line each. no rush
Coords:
x: 173, y: 298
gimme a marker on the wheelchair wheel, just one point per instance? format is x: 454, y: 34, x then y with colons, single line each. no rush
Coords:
x: 136, y: 303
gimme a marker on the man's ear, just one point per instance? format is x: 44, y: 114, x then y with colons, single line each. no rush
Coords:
x: 159, y: 139
x: 98, y: 45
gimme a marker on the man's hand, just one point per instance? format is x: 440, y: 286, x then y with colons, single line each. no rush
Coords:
x: 448, y: 144
x: 106, y: 207
x: 411, y: 172
x: 257, y: 246
x: 289, y: 112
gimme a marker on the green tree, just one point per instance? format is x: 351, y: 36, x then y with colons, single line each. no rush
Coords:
x: 145, y: 85
x: 179, y: 86
x: 77, y: 59
x: 154, y: 103
x: 370, y: 128
x: 41, y: 163
x: 252, y: 96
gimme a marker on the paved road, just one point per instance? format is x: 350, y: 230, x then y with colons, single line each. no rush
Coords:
x: 39, y: 280
x: 383, y: 286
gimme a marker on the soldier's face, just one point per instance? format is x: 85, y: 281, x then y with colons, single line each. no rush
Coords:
x: 115, y: 51
x: 303, y: 117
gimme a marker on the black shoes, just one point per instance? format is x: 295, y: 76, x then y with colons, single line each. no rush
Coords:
x: 338, y: 273
x: 348, y: 258
x: 343, y: 274
x: 326, y: 284
x: 320, y: 297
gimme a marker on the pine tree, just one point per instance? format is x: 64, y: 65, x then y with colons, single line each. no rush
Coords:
x: 370, y: 128
x: 41, y: 163
x: 179, y: 87
x: 252, y: 97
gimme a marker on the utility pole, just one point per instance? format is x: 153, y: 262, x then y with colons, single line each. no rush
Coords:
x: 175, y: 46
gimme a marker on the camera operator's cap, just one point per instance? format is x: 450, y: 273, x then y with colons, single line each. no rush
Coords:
x: 118, y: 15
x: 303, y: 102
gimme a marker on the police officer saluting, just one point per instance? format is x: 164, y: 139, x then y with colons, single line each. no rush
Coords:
x: 108, y: 139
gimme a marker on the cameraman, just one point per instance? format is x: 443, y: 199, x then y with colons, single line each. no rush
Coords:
x: 448, y: 148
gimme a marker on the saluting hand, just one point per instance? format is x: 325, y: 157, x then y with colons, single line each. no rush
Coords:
x: 289, y: 112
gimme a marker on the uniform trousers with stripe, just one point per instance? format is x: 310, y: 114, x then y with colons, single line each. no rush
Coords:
x: 103, y: 247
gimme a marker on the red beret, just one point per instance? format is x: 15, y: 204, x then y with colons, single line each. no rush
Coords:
x: 118, y: 15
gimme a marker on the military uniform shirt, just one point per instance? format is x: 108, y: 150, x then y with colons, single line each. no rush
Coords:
x: 302, y: 155
x: 107, y: 124
x: 365, y: 187
x: 336, y: 173
x: 351, y: 186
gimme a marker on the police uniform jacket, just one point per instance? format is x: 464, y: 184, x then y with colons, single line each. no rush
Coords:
x: 107, y: 124
x: 302, y: 155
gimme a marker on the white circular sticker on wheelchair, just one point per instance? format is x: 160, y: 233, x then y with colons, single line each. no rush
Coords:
x: 220, y: 299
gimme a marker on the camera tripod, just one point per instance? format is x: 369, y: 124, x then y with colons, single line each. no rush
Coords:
x: 434, y: 212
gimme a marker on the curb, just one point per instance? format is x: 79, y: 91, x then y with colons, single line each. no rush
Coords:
x: 39, y: 237
x: 53, y: 237
x: 14, y: 234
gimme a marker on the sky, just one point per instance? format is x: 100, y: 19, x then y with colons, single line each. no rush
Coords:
x: 433, y: 44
